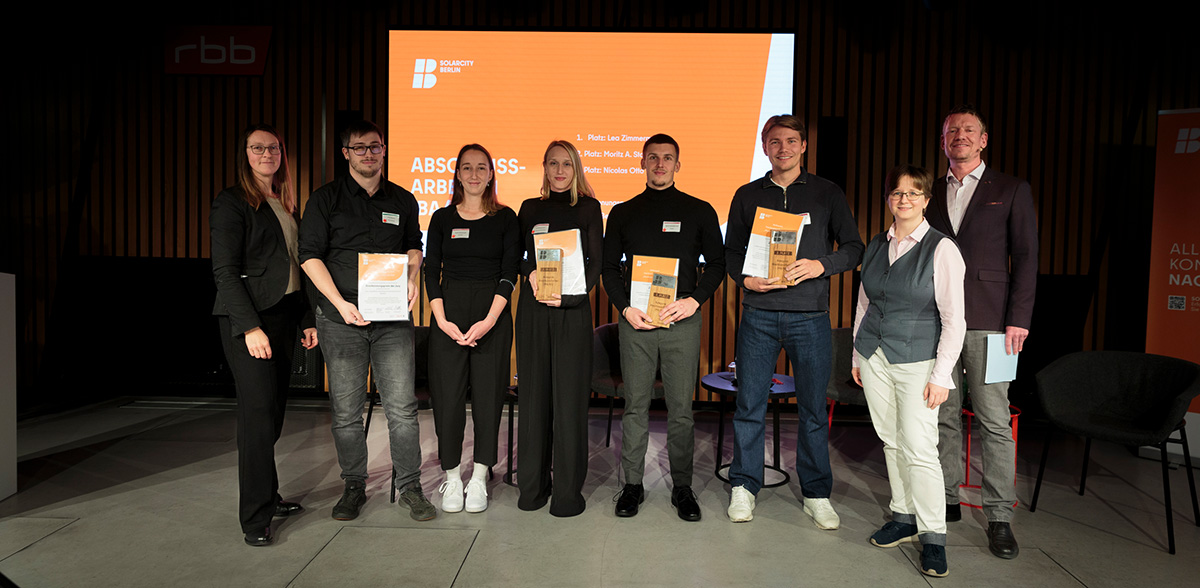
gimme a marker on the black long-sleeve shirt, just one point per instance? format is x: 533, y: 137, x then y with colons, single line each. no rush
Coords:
x: 484, y: 249
x: 342, y: 220
x: 831, y: 221
x: 555, y: 213
x: 664, y: 223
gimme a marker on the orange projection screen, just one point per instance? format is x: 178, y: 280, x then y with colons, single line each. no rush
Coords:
x: 514, y: 92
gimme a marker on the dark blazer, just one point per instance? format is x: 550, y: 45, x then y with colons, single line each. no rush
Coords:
x: 250, y: 260
x: 998, y: 238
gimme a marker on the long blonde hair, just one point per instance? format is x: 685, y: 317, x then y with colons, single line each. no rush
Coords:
x: 579, y: 183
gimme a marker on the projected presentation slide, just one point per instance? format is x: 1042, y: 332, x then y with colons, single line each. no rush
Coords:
x: 514, y: 92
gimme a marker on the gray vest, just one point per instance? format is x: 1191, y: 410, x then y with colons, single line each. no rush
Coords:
x: 903, y: 316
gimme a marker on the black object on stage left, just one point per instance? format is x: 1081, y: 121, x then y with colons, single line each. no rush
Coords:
x: 260, y: 305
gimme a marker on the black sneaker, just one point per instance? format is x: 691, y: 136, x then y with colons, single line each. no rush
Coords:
x: 933, y: 561
x: 419, y: 507
x: 628, y: 500
x: 353, y: 497
x: 684, y: 501
x: 893, y: 534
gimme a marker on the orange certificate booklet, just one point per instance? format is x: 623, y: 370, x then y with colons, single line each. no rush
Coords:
x: 571, y: 246
x: 773, y: 235
x: 652, y: 285
x: 383, y: 286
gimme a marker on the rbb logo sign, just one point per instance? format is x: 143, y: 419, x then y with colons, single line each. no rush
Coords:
x: 217, y: 50
x: 215, y: 54
x: 423, y: 77
x: 1188, y: 141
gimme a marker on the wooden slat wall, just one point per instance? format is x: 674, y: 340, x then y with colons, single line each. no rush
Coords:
x: 1066, y: 102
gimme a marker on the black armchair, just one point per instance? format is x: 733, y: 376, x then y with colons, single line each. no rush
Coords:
x: 1128, y: 398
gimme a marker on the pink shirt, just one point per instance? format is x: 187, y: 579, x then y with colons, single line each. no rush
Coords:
x: 949, y: 270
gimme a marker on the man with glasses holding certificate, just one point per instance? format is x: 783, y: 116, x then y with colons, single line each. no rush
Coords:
x: 362, y: 213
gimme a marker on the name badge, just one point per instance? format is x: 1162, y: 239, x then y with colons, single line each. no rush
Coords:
x: 391, y: 218
x: 542, y: 228
x: 460, y: 234
x: 671, y: 226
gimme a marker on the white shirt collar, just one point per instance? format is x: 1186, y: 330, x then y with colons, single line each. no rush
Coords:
x: 975, y: 174
x: 917, y: 234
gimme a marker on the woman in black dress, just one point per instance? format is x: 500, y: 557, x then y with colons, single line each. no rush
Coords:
x: 554, y: 343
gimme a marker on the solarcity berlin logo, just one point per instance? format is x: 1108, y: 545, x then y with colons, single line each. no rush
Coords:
x: 423, y: 77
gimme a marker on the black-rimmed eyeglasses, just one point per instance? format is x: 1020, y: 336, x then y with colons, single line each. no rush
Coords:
x: 360, y: 150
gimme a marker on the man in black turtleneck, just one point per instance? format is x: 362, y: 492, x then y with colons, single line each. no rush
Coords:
x: 661, y: 222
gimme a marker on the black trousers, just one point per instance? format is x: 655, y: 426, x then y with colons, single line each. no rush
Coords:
x: 554, y: 367
x: 262, y: 387
x: 483, y: 369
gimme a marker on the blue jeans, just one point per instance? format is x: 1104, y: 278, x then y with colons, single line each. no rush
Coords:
x: 387, y: 348
x: 807, y: 339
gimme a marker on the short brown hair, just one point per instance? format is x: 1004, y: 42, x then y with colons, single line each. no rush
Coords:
x: 921, y: 179
x: 966, y: 109
x: 788, y: 121
x: 358, y: 129
x: 661, y: 139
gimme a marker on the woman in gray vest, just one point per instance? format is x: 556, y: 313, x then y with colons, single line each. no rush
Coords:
x: 908, y: 332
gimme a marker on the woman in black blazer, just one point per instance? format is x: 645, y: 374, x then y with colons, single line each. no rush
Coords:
x: 260, y: 303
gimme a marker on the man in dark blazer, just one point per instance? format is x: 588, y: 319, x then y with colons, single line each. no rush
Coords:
x: 992, y: 217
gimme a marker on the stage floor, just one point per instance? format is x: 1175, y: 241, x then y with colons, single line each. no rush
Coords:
x: 144, y: 494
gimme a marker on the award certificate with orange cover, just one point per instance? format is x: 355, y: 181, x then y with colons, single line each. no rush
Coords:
x: 571, y: 245
x: 641, y: 283
x: 383, y: 286
x: 769, y: 223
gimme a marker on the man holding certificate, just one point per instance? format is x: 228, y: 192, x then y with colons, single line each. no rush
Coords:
x: 660, y: 234
x: 359, y: 240
x: 789, y: 312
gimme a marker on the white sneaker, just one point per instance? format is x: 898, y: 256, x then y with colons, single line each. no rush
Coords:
x: 822, y: 513
x: 741, y: 505
x: 476, y: 496
x: 452, y: 495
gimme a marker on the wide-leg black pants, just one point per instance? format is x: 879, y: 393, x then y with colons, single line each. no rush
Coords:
x: 554, y: 368
x: 484, y: 369
x: 262, y: 390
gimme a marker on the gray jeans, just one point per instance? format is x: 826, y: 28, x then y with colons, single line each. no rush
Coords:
x: 989, y: 402
x: 387, y: 348
x: 678, y: 351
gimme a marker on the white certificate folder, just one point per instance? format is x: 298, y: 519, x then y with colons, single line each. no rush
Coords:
x: 383, y: 286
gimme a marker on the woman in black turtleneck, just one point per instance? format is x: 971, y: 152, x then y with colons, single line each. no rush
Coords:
x: 554, y: 343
